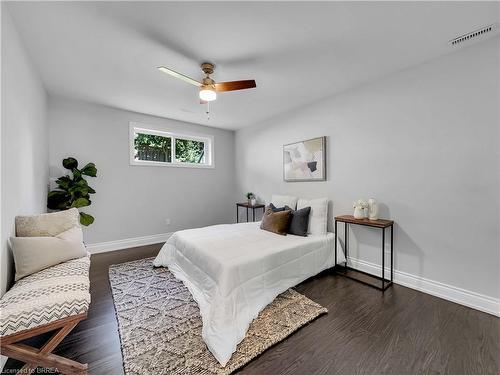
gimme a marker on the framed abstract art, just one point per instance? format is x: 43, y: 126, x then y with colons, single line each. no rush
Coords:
x: 305, y: 160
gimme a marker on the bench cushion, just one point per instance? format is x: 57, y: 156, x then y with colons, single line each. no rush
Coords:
x: 46, y: 296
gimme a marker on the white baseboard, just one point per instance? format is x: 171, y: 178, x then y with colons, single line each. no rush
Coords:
x: 451, y: 293
x: 102, y: 247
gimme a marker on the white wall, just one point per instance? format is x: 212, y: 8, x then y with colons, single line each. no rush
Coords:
x: 425, y: 143
x: 24, y: 141
x: 134, y: 201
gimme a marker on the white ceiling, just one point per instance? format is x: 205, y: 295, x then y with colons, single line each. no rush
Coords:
x: 106, y: 52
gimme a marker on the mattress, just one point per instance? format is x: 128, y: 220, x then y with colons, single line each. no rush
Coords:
x: 233, y: 271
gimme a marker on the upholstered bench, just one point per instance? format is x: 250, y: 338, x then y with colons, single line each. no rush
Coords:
x: 56, y: 298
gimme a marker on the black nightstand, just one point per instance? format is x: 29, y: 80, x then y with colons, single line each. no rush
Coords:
x: 248, y: 207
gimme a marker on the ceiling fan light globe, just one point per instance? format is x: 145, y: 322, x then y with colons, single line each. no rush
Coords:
x: 208, y: 95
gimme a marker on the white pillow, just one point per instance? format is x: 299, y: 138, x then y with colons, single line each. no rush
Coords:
x: 318, y: 216
x: 284, y: 200
x: 33, y: 254
x: 47, y: 225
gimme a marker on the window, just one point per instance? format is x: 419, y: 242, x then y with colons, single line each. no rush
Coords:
x: 165, y: 148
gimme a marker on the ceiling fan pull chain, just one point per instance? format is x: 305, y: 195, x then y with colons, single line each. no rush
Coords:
x: 208, y: 111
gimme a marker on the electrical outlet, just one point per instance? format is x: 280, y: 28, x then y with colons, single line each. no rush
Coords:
x: 168, y: 221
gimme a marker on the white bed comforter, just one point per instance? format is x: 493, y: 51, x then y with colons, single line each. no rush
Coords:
x: 233, y: 271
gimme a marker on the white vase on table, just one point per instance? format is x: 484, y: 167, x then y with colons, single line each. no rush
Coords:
x: 373, y: 209
x: 359, y: 213
x: 253, y: 201
x: 365, y: 213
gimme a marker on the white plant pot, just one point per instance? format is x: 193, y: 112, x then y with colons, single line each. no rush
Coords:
x: 365, y: 213
x: 359, y: 213
x: 253, y: 201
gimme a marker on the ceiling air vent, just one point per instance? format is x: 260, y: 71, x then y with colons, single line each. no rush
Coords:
x: 473, y: 35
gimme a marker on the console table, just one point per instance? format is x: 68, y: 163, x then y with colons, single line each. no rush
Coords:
x: 248, y: 207
x: 351, y: 272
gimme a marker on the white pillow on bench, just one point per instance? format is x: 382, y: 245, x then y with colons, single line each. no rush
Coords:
x: 33, y: 254
x: 47, y: 225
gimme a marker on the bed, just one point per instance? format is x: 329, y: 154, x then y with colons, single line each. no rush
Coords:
x: 233, y: 271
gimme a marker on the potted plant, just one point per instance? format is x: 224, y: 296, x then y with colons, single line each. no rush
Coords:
x: 359, y: 208
x: 73, y: 191
x: 251, y: 199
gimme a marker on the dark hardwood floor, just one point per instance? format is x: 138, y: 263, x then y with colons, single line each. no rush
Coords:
x: 399, y: 332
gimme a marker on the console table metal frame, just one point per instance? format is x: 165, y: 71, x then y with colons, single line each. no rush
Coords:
x: 381, y: 224
x: 248, y: 206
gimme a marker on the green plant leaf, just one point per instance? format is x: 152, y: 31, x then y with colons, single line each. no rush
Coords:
x: 79, y: 191
x: 81, y: 202
x: 90, y: 170
x: 80, y: 187
x: 64, y: 182
x: 58, y: 200
x: 81, y: 183
x: 91, y: 191
x: 78, y: 176
x: 70, y: 163
x: 86, y: 219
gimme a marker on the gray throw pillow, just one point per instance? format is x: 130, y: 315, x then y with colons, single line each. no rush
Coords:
x: 278, y: 209
x: 299, y: 221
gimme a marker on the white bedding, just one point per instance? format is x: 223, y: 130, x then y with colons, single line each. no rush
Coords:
x: 233, y: 271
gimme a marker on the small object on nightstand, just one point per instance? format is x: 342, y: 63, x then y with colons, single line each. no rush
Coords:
x: 360, y: 207
x: 353, y: 273
x: 372, y: 209
x: 248, y: 206
x: 251, y: 199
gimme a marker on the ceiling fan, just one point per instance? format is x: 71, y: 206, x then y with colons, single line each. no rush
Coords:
x: 208, y: 87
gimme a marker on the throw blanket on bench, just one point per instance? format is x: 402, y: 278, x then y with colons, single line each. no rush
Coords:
x: 46, y: 296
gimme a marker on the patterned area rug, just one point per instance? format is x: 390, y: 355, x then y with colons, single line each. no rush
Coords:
x: 160, y: 323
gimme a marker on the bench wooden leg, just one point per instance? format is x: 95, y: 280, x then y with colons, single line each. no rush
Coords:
x: 43, y: 357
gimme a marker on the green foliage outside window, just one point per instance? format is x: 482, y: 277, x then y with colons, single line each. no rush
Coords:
x: 158, y: 148
x: 188, y: 151
x: 153, y: 147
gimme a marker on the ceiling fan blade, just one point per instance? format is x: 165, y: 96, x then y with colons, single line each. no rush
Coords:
x: 235, y: 85
x: 175, y: 74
